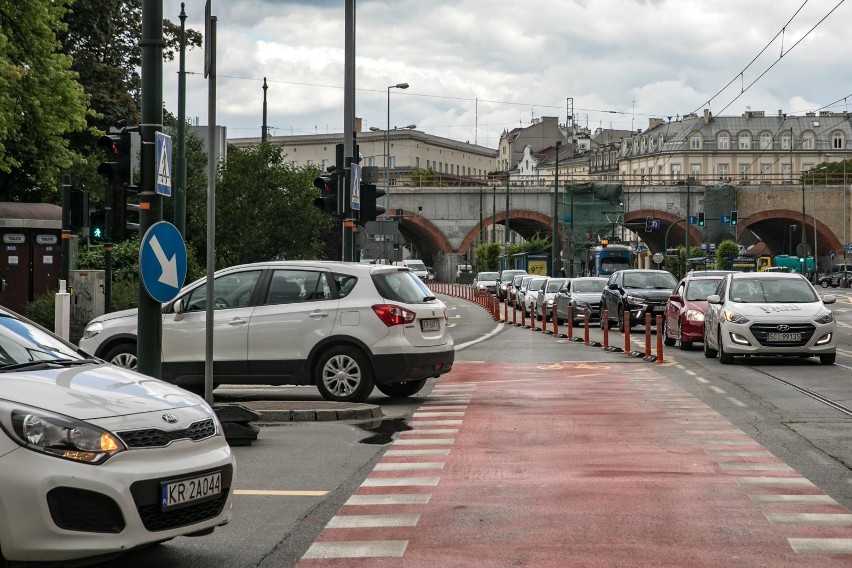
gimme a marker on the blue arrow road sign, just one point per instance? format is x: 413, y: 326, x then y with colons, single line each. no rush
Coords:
x: 693, y: 220
x: 849, y: 247
x: 724, y: 219
x: 655, y: 223
x: 162, y: 261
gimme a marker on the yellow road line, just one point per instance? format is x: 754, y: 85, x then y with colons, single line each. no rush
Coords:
x: 280, y: 493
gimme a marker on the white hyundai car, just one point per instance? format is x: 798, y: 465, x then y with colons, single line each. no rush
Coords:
x: 768, y: 313
x: 342, y: 326
x: 96, y: 459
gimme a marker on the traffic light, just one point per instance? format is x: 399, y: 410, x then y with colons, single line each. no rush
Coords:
x: 701, y: 219
x: 97, y: 225
x: 328, y: 201
x: 734, y: 217
x: 117, y: 167
x: 370, y: 195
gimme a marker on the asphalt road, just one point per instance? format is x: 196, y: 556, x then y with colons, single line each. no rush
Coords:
x: 296, y: 476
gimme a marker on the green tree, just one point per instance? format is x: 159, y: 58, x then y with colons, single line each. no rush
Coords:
x: 488, y: 257
x: 265, y: 208
x: 725, y: 251
x: 40, y: 100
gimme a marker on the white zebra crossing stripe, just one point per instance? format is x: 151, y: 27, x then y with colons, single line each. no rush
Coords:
x: 357, y: 549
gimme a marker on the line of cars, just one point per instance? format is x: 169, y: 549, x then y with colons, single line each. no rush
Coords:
x: 731, y: 313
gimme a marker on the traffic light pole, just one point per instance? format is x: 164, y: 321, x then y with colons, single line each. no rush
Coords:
x: 150, y: 325
x: 348, y: 127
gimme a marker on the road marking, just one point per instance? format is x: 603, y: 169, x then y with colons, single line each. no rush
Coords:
x: 442, y: 405
x: 280, y: 493
x: 421, y: 431
x: 434, y: 422
x: 821, y: 545
x: 399, y: 481
x: 737, y: 402
x: 739, y: 454
x: 835, y: 519
x: 357, y: 549
x: 714, y: 432
x: 372, y: 521
x: 717, y: 390
x: 412, y: 453
x: 395, y: 466
x: 744, y: 442
x: 424, y: 442
x: 392, y: 499
x: 733, y: 466
x: 702, y: 380
x: 794, y: 499
x: 436, y: 414
x: 774, y: 481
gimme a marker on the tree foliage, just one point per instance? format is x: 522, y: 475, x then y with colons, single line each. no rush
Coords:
x: 41, y: 101
x: 265, y: 208
x: 488, y: 257
x: 726, y: 250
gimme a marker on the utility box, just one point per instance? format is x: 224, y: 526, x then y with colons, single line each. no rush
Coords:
x: 87, y: 295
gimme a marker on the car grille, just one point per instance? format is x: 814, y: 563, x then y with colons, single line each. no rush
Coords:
x: 83, y: 510
x: 156, y: 438
x: 761, y: 331
x: 146, y: 495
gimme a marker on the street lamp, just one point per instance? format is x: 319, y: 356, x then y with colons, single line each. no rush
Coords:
x: 554, y: 246
x: 387, y: 147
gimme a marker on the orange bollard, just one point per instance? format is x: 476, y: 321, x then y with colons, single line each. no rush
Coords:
x: 626, y: 316
x: 605, y: 319
x: 523, y: 318
x: 586, y: 326
x: 506, y: 312
x: 570, y: 322
x: 659, y: 339
x: 495, y: 308
x: 647, y: 335
x: 555, y: 319
x: 544, y: 323
x: 514, y: 314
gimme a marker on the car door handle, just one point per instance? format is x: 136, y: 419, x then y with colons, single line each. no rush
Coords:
x: 237, y: 321
x: 318, y: 314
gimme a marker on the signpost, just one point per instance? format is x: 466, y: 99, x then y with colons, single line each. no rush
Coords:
x: 162, y: 261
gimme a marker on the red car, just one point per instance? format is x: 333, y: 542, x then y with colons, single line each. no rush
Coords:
x: 686, y: 306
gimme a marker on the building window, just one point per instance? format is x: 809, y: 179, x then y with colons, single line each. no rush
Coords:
x: 644, y: 144
x: 310, y: 163
x: 744, y: 168
x: 786, y: 141
x: 787, y: 172
x: 391, y: 161
x: 724, y: 141
x: 695, y: 142
x: 417, y: 162
x: 745, y: 141
x: 765, y: 141
x: 371, y: 161
x: 808, y: 141
x: 765, y: 170
x: 675, y: 172
x: 837, y: 141
x: 724, y: 171
x: 662, y: 139
x: 324, y: 165
x: 695, y: 171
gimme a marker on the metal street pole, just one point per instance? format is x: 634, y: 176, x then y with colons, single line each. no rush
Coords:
x: 686, y: 239
x: 554, y: 245
x: 149, y: 319
x: 387, y: 146
x: 481, y: 237
x: 845, y: 226
x: 506, y: 235
x: 264, y: 129
x: 180, y: 159
x: 493, y: 214
x: 804, y: 255
x: 348, y: 128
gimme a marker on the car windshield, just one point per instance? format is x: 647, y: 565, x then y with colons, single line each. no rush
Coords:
x: 650, y: 280
x: 697, y: 290
x: 771, y: 291
x: 509, y: 274
x: 611, y: 264
x: 21, y: 342
x: 402, y: 286
x: 486, y: 276
x: 589, y: 286
x: 536, y: 285
x: 554, y: 284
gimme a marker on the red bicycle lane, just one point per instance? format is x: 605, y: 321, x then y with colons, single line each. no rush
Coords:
x: 579, y: 464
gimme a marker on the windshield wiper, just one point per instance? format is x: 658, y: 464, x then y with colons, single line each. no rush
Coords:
x: 45, y: 364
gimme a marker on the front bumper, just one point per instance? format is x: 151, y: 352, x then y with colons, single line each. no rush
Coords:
x: 732, y: 337
x: 128, y: 484
x: 691, y: 330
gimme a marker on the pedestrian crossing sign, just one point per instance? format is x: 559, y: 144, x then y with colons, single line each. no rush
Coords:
x: 164, y: 164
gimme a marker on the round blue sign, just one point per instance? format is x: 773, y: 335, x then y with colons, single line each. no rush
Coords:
x: 162, y: 261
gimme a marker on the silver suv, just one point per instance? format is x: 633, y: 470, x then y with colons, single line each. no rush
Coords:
x: 344, y: 327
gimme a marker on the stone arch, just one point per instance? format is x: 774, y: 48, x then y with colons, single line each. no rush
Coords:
x: 671, y: 226
x: 524, y: 222
x: 774, y: 226
x: 424, y: 233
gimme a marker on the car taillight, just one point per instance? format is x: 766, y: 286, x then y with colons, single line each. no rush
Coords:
x: 393, y: 315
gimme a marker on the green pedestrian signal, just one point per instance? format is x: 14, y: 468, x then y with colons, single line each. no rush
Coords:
x: 97, y: 226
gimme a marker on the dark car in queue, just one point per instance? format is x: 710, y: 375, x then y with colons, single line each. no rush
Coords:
x: 639, y: 292
x: 835, y: 279
x: 686, y: 307
x: 580, y: 294
x: 504, y: 283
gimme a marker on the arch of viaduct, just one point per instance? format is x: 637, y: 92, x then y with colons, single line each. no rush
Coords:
x: 444, y: 225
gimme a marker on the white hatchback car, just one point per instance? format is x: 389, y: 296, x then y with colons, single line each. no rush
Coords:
x: 342, y: 326
x: 97, y: 459
x: 768, y: 313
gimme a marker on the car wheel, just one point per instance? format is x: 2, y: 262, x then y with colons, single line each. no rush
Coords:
x: 622, y: 325
x: 828, y: 359
x: 402, y: 390
x: 708, y: 352
x: 122, y: 355
x: 724, y: 358
x: 343, y: 375
x: 824, y: 283
x: 668, y: 341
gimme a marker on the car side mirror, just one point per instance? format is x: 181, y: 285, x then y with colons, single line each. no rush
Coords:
x: 179, y: 308
x: 675, y: 298
x: 612, y: 286
x: 714, y: 299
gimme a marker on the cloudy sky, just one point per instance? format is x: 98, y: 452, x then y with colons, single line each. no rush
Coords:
x: 478, y: 67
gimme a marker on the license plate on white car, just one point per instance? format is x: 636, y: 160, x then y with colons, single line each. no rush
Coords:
x: 432, y: 324
x: 783, y: 336
x: 185, y: 491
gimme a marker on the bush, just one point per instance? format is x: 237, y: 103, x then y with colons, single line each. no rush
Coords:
x: 42, y: 310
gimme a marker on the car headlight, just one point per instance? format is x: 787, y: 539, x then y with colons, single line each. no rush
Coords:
x: 826, y: 317
x: 57, y: 435
x: 634, y: 299
x: 734, y: 317
x: 550, y: 302
x: 694, y: 315
x: 93, y: 329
